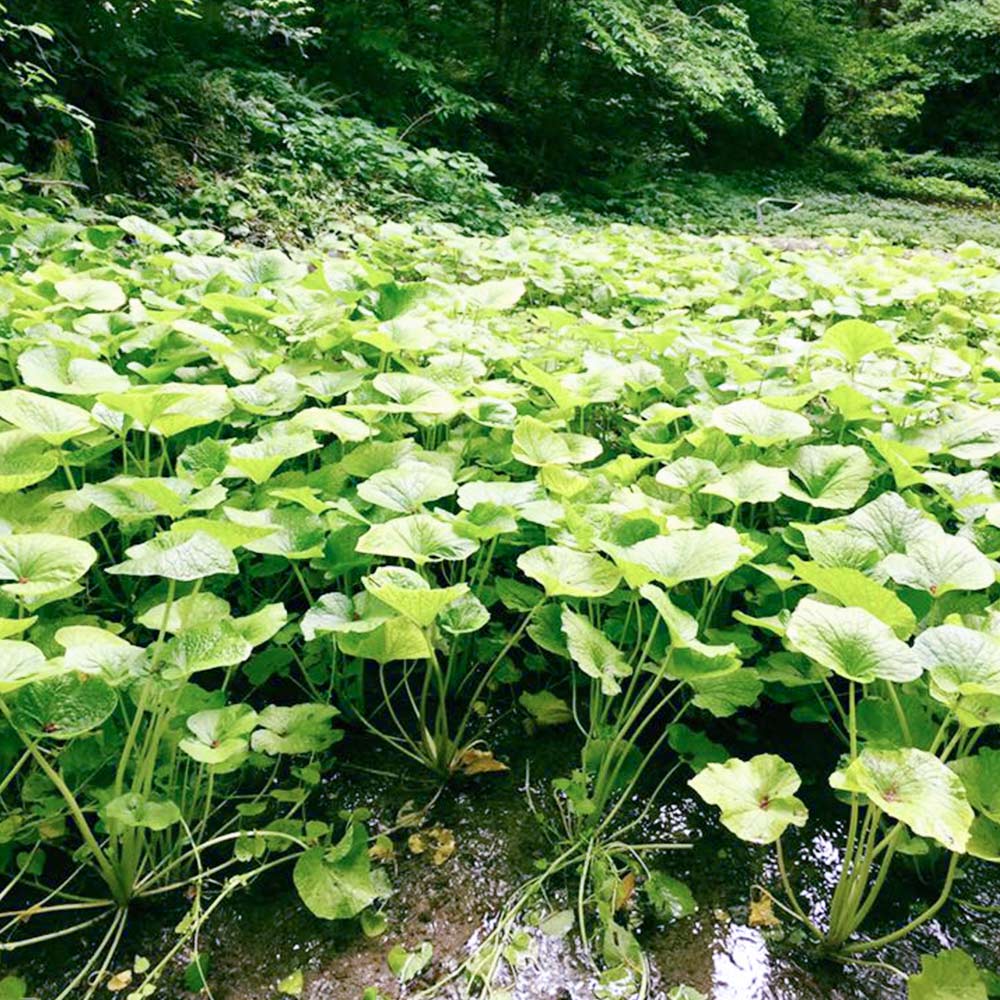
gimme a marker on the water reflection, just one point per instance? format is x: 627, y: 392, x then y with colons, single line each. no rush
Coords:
x: 741, y: 965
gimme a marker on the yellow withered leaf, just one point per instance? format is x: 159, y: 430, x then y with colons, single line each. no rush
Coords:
x: 762, y: 912
x: 120, y: 981
x: 473, y: 761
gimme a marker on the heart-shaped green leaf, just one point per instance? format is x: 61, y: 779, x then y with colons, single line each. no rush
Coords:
x: 565, y: 572
x: 756, y: 796
x: 41, y: 566
x: 295, y: 729
x: 135, y: 811
x: 850, y: 642
x: 594, y: 653
x: 178, y: 556
x: 63, y: 707
x: 410, y: 594
x: 914, y: 787
x: 422, y: 538
x: 336, y: 883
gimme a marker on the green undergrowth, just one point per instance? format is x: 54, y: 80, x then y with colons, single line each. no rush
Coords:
x: 635, y: 483
x: 835, y: 198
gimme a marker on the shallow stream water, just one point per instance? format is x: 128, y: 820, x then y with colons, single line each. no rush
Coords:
x: 263, y: 934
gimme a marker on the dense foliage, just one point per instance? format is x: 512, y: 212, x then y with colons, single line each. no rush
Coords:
x: 635, y: 484
x: 165, y: 97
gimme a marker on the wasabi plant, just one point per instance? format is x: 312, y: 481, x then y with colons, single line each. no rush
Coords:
x: 699, y: 501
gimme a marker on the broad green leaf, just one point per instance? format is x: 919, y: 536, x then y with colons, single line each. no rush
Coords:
x: 407, y: 965
x: 52, y: 420
x: 565, y: 572
x: 948, y: 975
x: 984, y: 839
x: 20, y: 664
x: 940, y: 563
x: 545, y: 708
x: 695, y: 748
x: 135, y: 498
x: 258, y: 460
x: 40, y: 565
x: 293, y: 984
x: 96, y: 651
x: 833, y: 477
x: 191, y: 611
x: 414, y: 394
x: 408, y: 593
x: 374, y: 456
x: 749, y: 483
x: 339, y: 613
x: 594, y: 653
x: 205, y: 462
x: 292, y: 532
x: 201, y: 240
x: 134, y: 811
x: 395, y: 639
x: 558, y: 924
x: 13, y: 988
x: 24, y: 461
x: 891, y: 524
x: 465, y: 614
x: 879, y: 722
x: 486, y: 521
x: 689, y: 656
x: 972, y: 435
x: 177, y: 557
x: 295, y: 729
x: 519, y: 496
x: 238, y: 308
x: 669, y: 897
x: 964, y: 670
x: 851, y: 642
x: 220, y: 736
x: 56, y: 370
x: 852, y: 405
x: 852, y: 588
x: 15, y: 626
x: 754, y: 421
x: 422, y: 538
x: 563, y: 397
x: 692, y: 474
x: 756, y: 796
x: 854, y: 339
x: 43, y: 237
x: 266, y: 267
x: 901, y: 458
x: 263, y: 624
x: 336, y: 882
x: 91, y: 294
x: 61, y: 708
x: 407, y: 487
x: 204, y: 647
x: 170, y: 408
x: 340, y: 425
x: 696, y: 554
x: 501, y: 294
x: 981, y: 778
x: 538, y: 444
x: 271, y: 395
x: 725, y: 694
x: 145, y: 231
x: 914, y: 787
